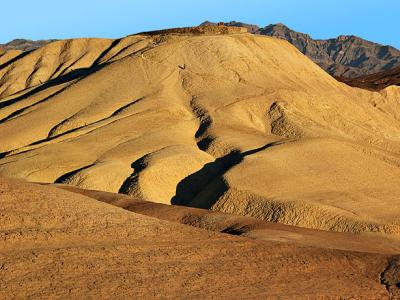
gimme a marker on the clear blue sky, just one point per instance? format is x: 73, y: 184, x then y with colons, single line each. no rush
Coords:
x: 376, y: 20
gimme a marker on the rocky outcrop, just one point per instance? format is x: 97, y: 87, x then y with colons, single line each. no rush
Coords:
x: 376, y: 81
x: 203, y: 29
x: 250, y: 27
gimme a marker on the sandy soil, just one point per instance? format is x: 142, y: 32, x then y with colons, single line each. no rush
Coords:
x: 58, y: 244
x: 247, y: 226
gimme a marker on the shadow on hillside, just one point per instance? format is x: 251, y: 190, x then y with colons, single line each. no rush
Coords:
x: 74, y: 74
x: 209, y: 180
x: 11, y: 61
x: 63, y: 178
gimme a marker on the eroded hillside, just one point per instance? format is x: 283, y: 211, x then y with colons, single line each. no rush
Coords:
x: 234, y: 122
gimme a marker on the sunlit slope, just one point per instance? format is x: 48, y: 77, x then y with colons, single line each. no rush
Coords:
x: 7, y: 55
x: 236, y: 122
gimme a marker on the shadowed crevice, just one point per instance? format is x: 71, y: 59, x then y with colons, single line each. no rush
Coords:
x: 72, y: 75
x: 11, y: 61
x: 19, y: 111
x: 235, y: 229
x: 77, y: 74
x: 48, y: 84
x: 210, y: 179
x: 106, y: 51
x: 138, y: 166
x: 64, y: 177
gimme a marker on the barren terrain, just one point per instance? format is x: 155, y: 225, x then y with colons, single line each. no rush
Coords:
x: 58, y: 244
x: 228, y: 121
x: 283, y: 181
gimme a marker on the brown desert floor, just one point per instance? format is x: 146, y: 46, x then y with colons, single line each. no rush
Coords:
x: 58, y: 244
x: 247, y: 226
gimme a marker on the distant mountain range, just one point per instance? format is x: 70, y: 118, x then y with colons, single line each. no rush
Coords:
x: 344, y: 56
x: 24, y: 45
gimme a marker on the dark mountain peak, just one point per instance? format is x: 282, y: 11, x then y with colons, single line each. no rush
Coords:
x: 208, y: 23
x: 350, y: 38
x: 278, y: 26
x: 342, y: 38
x: 280, y: 30
x: 344, y: 56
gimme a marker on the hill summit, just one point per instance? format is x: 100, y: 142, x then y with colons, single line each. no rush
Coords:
x: 346, y: 56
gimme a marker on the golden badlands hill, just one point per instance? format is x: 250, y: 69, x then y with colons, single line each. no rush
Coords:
x: 234, y: 122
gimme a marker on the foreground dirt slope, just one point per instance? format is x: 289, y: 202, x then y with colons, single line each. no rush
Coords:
x: 247, y: 226
x: 59, y: 244
x: 234, y: 122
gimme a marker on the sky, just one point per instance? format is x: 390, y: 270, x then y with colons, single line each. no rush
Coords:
x: 375, y: 20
